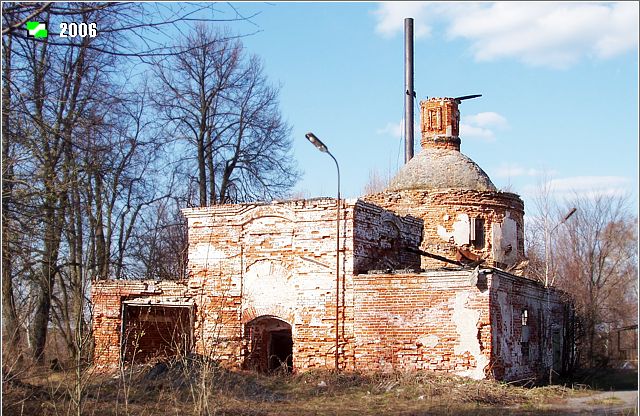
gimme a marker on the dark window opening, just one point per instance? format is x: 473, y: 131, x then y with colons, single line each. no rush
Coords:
x: 477, y: 233
x: 154, y: 331
x: 525, y: 352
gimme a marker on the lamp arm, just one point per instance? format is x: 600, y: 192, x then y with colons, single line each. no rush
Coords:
x: 338, y: 170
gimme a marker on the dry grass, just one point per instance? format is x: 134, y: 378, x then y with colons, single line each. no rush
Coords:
x: 606, y: 401
x: 166, y: 389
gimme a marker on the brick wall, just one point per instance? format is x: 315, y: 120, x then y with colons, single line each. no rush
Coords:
x: 442, y: 212
x: 278, y: 260
x: 435, y: 320
x: 527, y: 349
x: 242, y: 260
x: 107, y: 297
x: 380, y: 239
x: 464, y: 322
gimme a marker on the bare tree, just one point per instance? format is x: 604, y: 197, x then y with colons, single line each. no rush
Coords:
x: 162, y: 246
x: 10, y: 328
x: 586, y: 246
x: 598, y: 265
x: 56, y: 87
x: 84, y: 171
x: 217, y: 100
x: 539, y: 240
x: 74, y: 165
x: 135, y: 30
x: 376, y: 183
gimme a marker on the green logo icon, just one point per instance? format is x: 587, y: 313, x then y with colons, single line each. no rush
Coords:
x: 37, y: 30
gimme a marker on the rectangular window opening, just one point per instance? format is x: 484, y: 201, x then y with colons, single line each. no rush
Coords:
x: 477, y: 233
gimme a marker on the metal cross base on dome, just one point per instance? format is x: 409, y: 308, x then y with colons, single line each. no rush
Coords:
x: 467, y: 97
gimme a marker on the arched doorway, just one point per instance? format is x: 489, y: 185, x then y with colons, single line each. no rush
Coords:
x: 269, y: 345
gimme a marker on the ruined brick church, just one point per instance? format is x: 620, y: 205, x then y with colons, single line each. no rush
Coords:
x: 428, y: 279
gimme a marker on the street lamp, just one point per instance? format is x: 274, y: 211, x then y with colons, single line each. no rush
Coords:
x: 320, y: 146
x: 547, y: 243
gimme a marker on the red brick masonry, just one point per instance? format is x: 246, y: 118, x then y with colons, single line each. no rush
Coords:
x: 278, y: 260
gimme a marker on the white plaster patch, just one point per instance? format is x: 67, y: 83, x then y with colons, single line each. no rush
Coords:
x: 428, y: 341
x: 439, y: 311
x: 394, y: 319
x: 466, y: 321
x: 204, y: 254
x: 473, y: 276
x: 267, y: 287
x: 505, y: 240
x: 460, y: 233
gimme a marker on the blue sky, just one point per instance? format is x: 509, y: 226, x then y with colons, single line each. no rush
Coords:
x: 559, y: 84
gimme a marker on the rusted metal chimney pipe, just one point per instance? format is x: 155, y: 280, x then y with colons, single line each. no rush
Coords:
x: 408, y: 89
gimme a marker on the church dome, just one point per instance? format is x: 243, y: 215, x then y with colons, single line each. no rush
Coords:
x: 441, y: 168
x: 440, y: 165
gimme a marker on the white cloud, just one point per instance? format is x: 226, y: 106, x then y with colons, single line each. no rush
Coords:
x: 550, y: 34
x: 396, y: 130
x: 392, y: 129
x: 482, y: 125
x: 475, y: 132
x: 391, y: 15
x: 586, y: 186
x: 590, y: 185
x: 514, y: 171
x: 487, y: 119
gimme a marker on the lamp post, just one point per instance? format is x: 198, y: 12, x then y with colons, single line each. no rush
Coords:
x: 547, y: 242
x: 321, y: 146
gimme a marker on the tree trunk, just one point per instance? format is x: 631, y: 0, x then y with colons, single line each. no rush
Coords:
x: 46, y: 283
x: 212, y: 173
x: 102, y: 261
x: 11, y: 332
x: 202, y: 171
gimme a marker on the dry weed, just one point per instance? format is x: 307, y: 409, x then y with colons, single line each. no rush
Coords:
x: 164, y: 388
